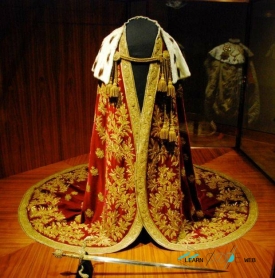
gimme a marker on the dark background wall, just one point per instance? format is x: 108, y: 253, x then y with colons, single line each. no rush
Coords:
x: 47, y: 91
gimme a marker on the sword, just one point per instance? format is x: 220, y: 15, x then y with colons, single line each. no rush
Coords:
x: 87, y: 257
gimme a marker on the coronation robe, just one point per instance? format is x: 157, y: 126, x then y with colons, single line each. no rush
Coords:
x: 140, y: 171
x: 140, y: 165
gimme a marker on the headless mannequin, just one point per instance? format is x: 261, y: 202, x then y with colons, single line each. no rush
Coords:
x: 141, y: 35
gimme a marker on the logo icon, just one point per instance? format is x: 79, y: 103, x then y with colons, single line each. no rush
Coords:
x: 190, y: 258
x: 222, y: 258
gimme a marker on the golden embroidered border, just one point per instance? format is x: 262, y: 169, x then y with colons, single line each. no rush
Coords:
x: 141, y: 123
x: 32, y: 233
x: 29, y: 230
x: 130, y: 89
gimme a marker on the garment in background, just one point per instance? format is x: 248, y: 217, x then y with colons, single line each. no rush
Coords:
x: 225, y: 70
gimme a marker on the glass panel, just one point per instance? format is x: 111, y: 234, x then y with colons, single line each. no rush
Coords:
x: 258, y: 140
x: 212, y: 92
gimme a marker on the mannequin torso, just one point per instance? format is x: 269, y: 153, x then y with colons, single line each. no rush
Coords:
x: 141, y: 34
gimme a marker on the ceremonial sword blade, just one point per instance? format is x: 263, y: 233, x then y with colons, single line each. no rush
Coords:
x: 142, y: 263
x: 133, y: 262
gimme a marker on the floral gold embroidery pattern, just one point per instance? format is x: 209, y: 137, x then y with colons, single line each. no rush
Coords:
x: 100, y: 197
x: 234, y: 213
x: 88, y: 188
x: 43, y: 209
x: 117, y: 152
x: 163, y: 172
x: 89, y: 213
x: 99, y: 153
x: 231, y: 211
x: 94, y: 171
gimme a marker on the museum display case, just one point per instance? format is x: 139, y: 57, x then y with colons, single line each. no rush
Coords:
x: 207, y: 30
x: 229, y: 47
x: 212, y: 100
x: 140, y: 196
x: 257, y: 139
x: 140, y: 172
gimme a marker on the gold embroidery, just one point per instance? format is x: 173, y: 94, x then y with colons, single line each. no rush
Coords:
x: 46, y: 221
x: 99, y: 153
x: 209, y: 194
x: 88, y: 188
x: 103, y: 99
x: 130, y: 90
x: 68, y: 197
x: 94, y: 171
x: 77, y: 219
x: 119, y: 154
x: 89, y: 213
x: 100, y: 197
x: 100, y: 128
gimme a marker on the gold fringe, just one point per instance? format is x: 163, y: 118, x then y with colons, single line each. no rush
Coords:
x: 162, y: 86
x: 172, y: 134
x: 164, y: 132
x: 166, y: 60
x: 168, y: 131
x: 114, y: 90
x: 109, y: 86
x: 172, y: 131
x: 171, y: 89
